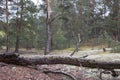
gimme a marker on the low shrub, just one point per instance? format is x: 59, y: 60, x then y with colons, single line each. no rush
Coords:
x: 116, y: 49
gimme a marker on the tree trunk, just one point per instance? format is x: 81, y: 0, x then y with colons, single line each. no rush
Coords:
x: 17, y: 34
x: 48, y: 30
x: 42, y: 60
x: 17, y: 37
x: 18, y: 29
x: 7, y: 33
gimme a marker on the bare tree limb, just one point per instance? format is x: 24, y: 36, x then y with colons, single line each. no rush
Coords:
x: 55, y: 17
x: 77, y: 45
x: 60, y: 72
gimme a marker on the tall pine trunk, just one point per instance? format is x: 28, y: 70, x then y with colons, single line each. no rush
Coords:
x: 17, y: 37
x: 48, y: 30
x: 7, y: 33
x: 18, y: 29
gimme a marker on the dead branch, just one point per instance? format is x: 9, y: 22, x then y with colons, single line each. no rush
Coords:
x: 109, y: 71
x: 77, y: 45
x: 55, y: 17
x: 60, y: 72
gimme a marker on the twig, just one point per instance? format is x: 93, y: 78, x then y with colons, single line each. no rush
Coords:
x: 111, y: 71
x: 114, y: 73
x: 60, y: 72
x: 84, y: 56
x: 3, y: 64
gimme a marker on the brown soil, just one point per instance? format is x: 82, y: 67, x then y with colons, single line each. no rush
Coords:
x: 12, y: 72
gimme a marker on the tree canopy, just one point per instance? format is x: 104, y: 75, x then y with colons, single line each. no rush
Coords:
x: 92, y: 19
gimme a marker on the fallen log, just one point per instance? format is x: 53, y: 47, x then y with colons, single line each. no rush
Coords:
x: 49, y: 59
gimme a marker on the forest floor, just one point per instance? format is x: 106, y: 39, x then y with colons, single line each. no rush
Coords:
x: 13, y: 72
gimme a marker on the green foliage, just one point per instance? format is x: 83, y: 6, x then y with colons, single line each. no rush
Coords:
x: 87, y: 17
x: 2, y: 34
x: 2, y: 38
x: 59, y: 40
x: 116, y: 49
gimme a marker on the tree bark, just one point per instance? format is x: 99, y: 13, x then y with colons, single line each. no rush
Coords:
x: 18, y: 28
x: 17, y: 33
x: 7, y: 33
x: 49, y: 59
x: 48, y: 30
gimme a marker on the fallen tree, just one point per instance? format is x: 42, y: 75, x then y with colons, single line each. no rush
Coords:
x: 49, y: 59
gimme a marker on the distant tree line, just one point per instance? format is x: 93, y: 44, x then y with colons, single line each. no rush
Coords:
x: 57, y: 23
